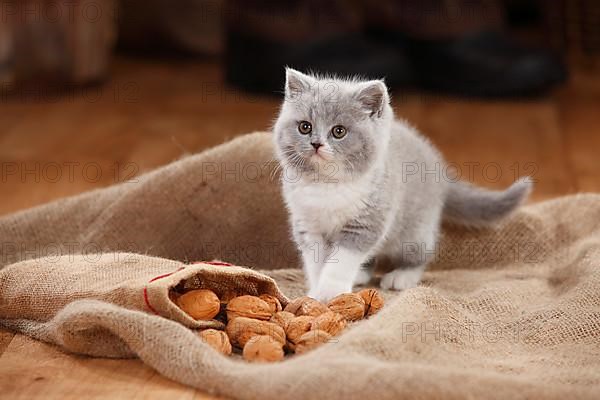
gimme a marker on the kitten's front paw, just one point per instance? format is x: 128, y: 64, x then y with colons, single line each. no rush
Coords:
x: 363, y: 277
x: 401, y: 279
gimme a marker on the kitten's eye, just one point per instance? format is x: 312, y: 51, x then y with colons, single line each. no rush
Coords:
x: 305, y: 127
x: 338, y: 131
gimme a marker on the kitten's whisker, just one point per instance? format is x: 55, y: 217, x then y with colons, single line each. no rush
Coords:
x: 275, y: 170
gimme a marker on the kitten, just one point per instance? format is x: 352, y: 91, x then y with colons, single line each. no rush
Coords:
x: 361, y: 184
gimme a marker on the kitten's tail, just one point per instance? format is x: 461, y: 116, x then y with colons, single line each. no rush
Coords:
x: 469, y: 205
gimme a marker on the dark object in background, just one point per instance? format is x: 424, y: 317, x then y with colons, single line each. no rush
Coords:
x: 345, y: 39
x: 481, y: 64
x: 183, y: 27
x: 486, y: 64
x: 326, y: 37
x: 64, y: 42
x: 523, y: 12
x: 256, y: 64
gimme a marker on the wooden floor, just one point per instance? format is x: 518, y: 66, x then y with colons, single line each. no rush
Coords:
x: 151, y: 113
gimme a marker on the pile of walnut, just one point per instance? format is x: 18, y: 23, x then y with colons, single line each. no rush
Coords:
x: 265, y: 332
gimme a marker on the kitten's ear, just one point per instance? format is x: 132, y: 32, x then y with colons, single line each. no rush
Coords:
x: 373, y: 96
x: 296, y: 82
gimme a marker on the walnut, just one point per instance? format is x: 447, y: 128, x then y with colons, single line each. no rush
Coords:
x: 242, y: 329
x: 272, y: 301
x: 263, y: 348
x: 282, y: 318
x: 330, y: 322
x: 297, y: 327
x: 373, y: 301
x: 312, y: 308
x: 199, y: 304
x: 350, y: 305
x: 295, y: 304
x: 218, y: 340
x: 306, y: 306
x: 310, y: 340
x: 249, y: 307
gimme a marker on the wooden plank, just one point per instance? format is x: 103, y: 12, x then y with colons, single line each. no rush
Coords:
x: 31, y: 370
x: 580, y: 121
x: 493, y: 143
x: 135, y: 122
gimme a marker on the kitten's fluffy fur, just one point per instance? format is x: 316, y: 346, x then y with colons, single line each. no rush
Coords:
x: 377, y: 191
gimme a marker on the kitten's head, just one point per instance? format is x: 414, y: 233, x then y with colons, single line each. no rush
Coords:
x: 334, y: 127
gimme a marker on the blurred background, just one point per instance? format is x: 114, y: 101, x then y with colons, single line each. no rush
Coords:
x: 96, y: 92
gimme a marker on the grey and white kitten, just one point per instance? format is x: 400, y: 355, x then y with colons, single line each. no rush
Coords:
x: 360, y: 184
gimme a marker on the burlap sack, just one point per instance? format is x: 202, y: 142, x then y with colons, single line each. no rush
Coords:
x: 38, y: 289
x: 224, y: 203
x: 509, y: 312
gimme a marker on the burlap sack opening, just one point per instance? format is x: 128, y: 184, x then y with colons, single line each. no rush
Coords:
x: 131, y: 281
x: 227, y: 281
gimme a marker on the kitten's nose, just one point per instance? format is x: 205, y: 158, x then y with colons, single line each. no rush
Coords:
x: 316, y: 145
